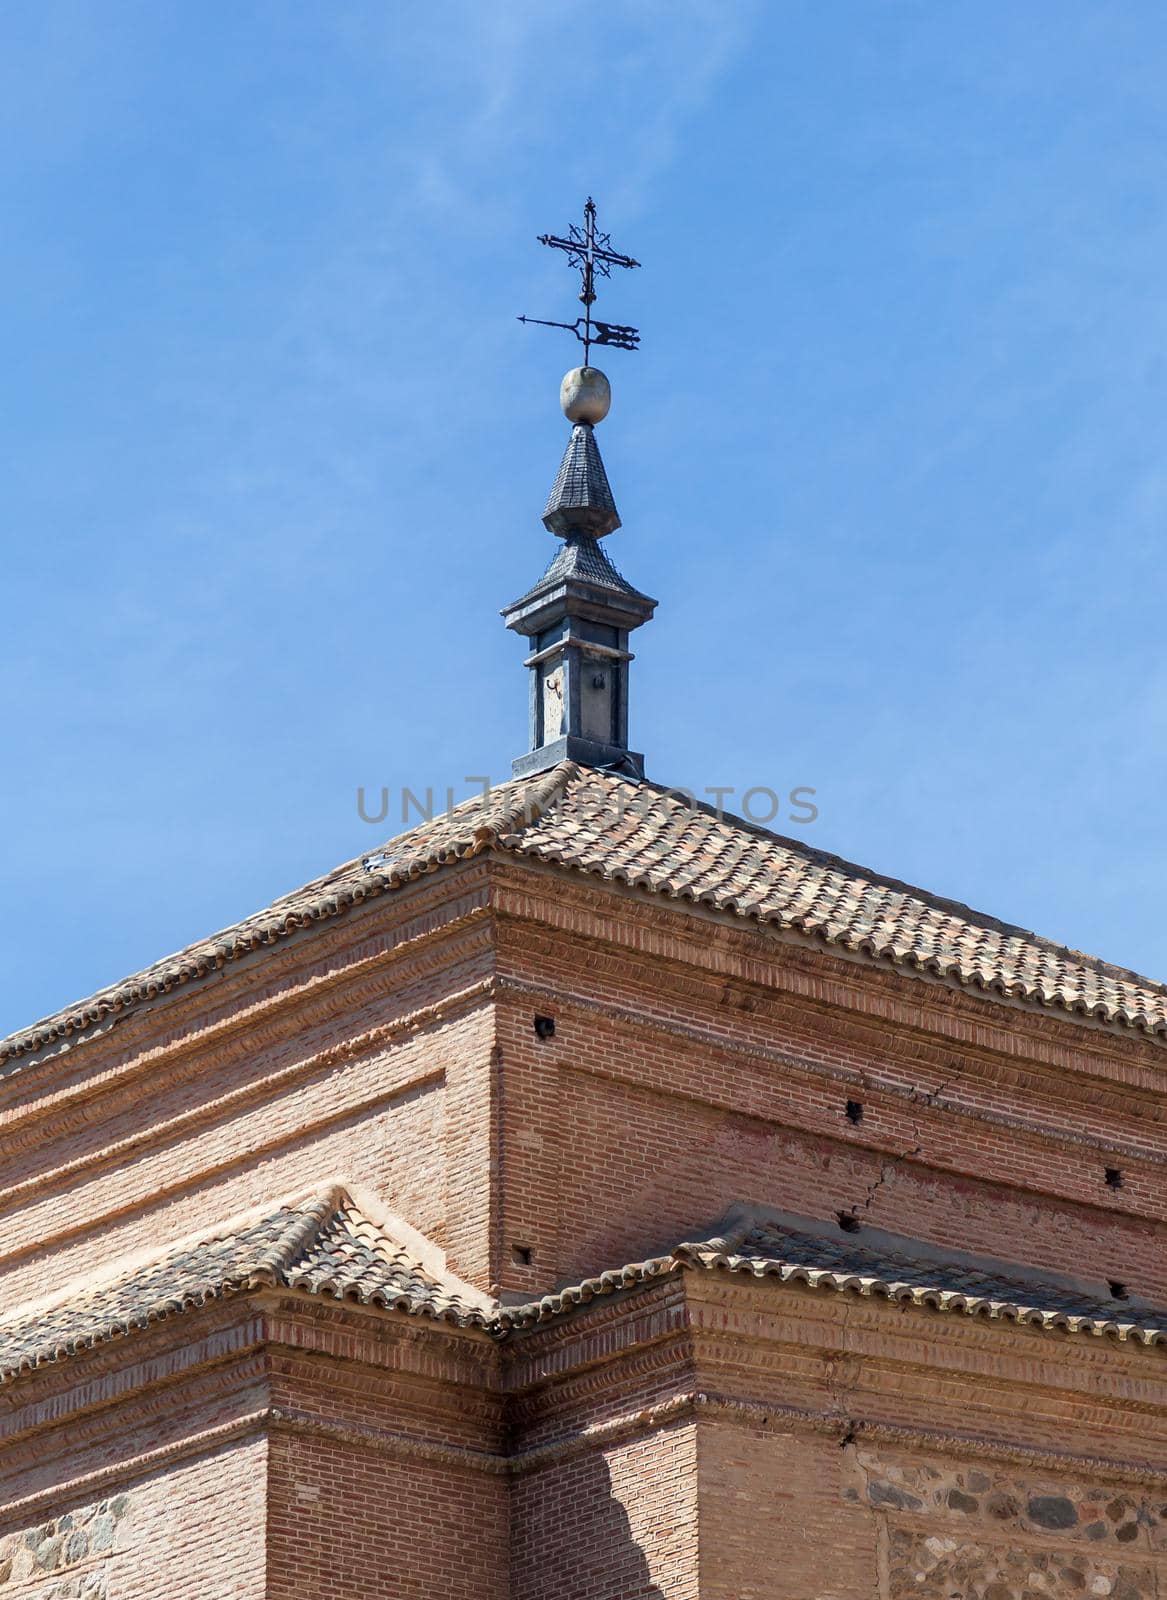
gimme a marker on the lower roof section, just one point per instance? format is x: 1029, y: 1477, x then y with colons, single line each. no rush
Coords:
x: 340, y: 1243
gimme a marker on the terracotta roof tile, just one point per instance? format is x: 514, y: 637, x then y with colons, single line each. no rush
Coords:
x: 324, y: 1244
x: 885, y: 1268
x: 645, y: 836
x: 331, y: 1245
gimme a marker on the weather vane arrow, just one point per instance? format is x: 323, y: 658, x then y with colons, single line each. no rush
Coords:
x: 590, y: 252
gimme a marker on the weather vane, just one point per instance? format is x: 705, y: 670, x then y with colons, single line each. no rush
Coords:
x: 590, y: 251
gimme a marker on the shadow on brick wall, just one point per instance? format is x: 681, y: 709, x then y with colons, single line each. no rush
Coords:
x: 571, y: 1533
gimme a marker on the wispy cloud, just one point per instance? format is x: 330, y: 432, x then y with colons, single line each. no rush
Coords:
x: 529, y: 71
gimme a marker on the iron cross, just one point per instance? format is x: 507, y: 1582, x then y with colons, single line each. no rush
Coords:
x: 591, y: 253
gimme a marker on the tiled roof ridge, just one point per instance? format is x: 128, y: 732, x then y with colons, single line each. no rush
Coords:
x: 430, y: 1257
x: 276, y: 1265
x: 687, y: 851
x: 525, y: 801
x: 938, y: 902
x: 284, y: 1259
x: 324, y: 1243
x: 960, y: 950
x: 728, y: 1251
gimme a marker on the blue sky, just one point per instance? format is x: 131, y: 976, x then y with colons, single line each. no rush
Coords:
x: 274, y: 447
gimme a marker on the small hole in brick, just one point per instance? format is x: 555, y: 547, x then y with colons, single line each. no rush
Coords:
x: 1117, y: 1290
x: 521, y: 1255
x: 854, y: 1111
x: 545, y: 1027
x: 847, y: 1221
x: 1114, y: 1177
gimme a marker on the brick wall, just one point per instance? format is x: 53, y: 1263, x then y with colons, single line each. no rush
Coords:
x: 694, y: 1062
x: 332, y: 1057
x: 795, y: 1517
x: 774, y: 1525
x: 188, y: 1533
x: 170, y: 1191
x: 684, y: 1077
x: 620, y: 1523
x: 353, y: 1521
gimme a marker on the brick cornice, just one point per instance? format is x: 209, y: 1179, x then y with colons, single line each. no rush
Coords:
x: 691, y: 1405
x: 759, y: 1414
x: 718, y: 1343
x: 348, y: 1337
x: 233, y: 1002
x: 634, y: 1370
x: 700, y: 1404
x: 929, y: 1357
x: 652, y: 1320
x: 617, y: 915
x: 264, y: 1337
x: 912, y: 1043
x: 257, y: 1026
x: 925, y: 1110
x: 872, y: 1356
x: 387, y: 1440
x: 408, y: 1025
x: 765, y: 959
x: 209, y: 1343
x: 419, y: 1081
x: 199, y: 1443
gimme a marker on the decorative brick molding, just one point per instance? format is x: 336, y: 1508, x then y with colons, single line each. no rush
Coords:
x: 271, y: 970
x: 127, y: 1466
x: 762, y: 957
x: 805, y: 1068
x: 388, y: 1441
x: 68, y: 1113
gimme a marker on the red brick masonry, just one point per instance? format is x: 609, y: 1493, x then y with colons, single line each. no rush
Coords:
x: 545, y: 1074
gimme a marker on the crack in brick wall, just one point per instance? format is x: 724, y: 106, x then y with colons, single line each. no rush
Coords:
x: 927, y: 1100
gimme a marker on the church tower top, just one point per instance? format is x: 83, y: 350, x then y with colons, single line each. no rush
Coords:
x: 580, y: 613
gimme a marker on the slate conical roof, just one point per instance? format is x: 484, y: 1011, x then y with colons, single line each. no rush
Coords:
x: 581, y: 497
x: 582, y: 559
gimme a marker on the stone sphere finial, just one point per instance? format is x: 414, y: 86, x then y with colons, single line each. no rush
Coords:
x: 585, y: 395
